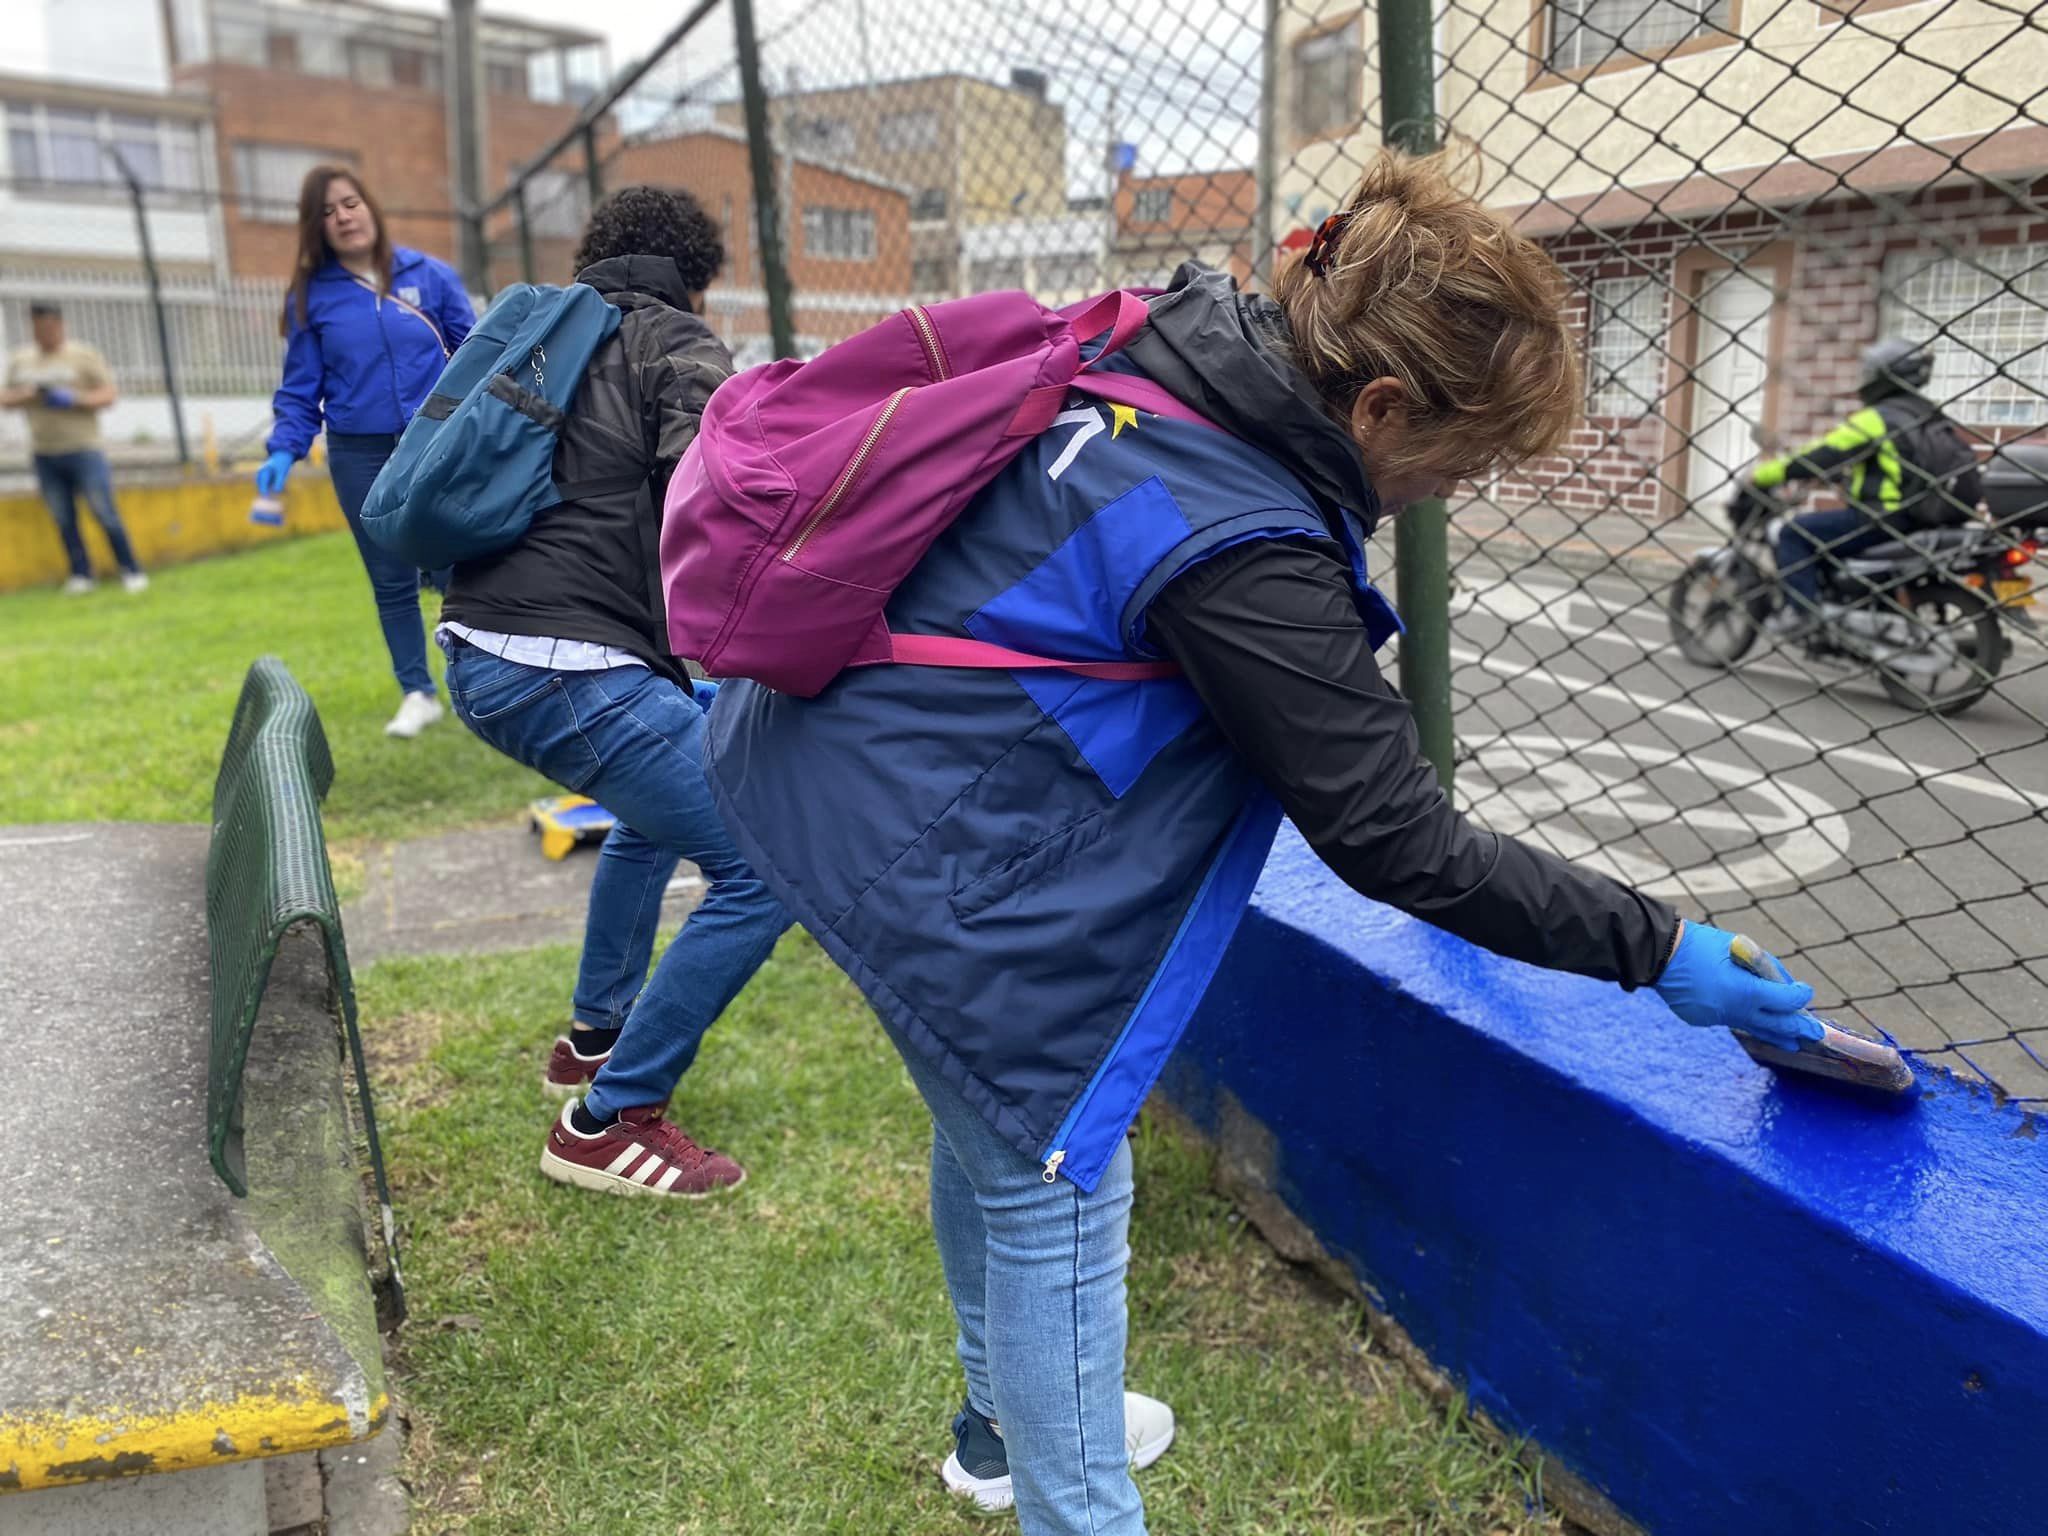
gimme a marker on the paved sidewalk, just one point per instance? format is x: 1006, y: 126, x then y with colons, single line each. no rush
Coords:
x: 484, y: 889
x: 1588, y: 544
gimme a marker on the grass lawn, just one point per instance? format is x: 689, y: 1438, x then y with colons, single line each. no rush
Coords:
x: 115, y: 708
x: 780, y: 1360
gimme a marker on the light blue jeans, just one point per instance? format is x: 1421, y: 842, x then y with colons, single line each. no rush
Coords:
x: 1036, y: 1272
x: 633, y: 742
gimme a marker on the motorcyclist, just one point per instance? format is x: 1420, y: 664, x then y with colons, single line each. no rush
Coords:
x: 1904, y: 465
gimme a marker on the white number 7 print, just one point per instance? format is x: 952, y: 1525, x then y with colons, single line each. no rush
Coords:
x: 1089, y: 420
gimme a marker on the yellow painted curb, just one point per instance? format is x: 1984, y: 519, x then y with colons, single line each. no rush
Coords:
x: 55, y: 1450
x: 168, y: 522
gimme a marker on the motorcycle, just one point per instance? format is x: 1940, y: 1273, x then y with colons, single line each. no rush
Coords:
x: 1926, y: 612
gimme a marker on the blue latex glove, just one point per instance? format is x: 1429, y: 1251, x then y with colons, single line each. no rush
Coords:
x: 705, y: 690
x: 1705, y: 987
x: 58, y: 398
x: 270, y: 478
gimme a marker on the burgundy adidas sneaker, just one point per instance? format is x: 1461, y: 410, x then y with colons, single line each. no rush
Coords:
x: 569, y: 1070
x: 640, y: 1153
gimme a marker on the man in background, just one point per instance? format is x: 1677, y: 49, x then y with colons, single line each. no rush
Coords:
x: 63, y: 386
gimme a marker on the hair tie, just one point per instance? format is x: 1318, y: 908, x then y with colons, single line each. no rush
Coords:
x: 1322, y: 249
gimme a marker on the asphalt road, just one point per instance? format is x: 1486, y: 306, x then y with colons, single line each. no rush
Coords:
x: 1898, y: 862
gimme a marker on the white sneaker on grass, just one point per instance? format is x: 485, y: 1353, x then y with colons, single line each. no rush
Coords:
x: 136, y: 581
x: 78, y: 586
x: 416, y: 711
x: 979, y: 1468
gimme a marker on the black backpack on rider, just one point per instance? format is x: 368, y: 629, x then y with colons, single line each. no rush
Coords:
x: 1939, y: 483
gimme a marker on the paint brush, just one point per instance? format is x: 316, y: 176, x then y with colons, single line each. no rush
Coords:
x: 1839, y: 1055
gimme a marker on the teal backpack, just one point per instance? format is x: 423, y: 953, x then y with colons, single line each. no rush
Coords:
x: 477, y: 462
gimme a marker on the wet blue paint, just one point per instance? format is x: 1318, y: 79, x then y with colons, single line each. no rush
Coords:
x: 1735, y: 1302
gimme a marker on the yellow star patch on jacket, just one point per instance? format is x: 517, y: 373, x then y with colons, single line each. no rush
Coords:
x: 1121, y: 416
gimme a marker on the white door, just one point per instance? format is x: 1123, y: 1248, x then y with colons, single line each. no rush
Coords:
x: 1730, y: 356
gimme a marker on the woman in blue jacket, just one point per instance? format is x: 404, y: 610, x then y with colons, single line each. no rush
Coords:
x: 367, y: 327
x: 1033, y: 875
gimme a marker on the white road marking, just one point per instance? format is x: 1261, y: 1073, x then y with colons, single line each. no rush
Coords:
x: 1649, y: 704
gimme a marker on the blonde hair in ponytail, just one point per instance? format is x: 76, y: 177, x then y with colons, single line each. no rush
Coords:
x: 1425, y: 285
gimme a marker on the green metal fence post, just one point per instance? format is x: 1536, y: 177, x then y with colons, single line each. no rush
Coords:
x: 524, y: 216
x: 593, y: 168
x: 1422, y: 570
x: 761, y: 160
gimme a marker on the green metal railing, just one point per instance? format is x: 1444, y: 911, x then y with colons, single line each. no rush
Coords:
x: 267, y: 874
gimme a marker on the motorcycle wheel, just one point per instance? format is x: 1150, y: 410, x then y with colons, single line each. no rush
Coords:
x: 1964, y: 626
x: 1717, y: 607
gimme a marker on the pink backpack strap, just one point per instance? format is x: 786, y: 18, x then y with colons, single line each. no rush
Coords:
x: 1129, y: 389
x: 952, y: 651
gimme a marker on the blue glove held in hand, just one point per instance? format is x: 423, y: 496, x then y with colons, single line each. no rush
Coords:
x: 1704, y: 986
x: 705, y: 691
x: 58, y: 398
x: 270, y: 478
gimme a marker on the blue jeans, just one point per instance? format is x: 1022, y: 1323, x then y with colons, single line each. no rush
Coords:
x: 634, y: 742
x: 1036, y: 1272
x: 1812, y: 539
x: 353, y: 460
x: 64, y: 477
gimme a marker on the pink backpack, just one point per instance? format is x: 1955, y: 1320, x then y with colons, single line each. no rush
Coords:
x: 814, y: 488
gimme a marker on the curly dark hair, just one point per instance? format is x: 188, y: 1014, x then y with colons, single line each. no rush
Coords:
x: 655, y: 221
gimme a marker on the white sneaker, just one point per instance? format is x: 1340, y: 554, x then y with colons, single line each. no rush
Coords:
x: 1148, y: 1431
x: 136, y: 581
x: 78, y: 586
x: 416, y: 711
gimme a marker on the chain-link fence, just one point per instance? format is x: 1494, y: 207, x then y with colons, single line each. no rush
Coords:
x: 1743, y: 194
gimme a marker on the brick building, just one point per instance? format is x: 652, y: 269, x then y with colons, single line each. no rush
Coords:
x: 847, y: 245
x: 296, y: 82
x: 1743, y: 197
x: 969, y: 150
x: 1205, y: 216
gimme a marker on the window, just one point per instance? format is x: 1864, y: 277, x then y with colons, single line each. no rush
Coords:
x: 1624, y: 347
x: 414, y: 69
x: 1152, y: 205
x: 49, y: 144
x: 1586, y: 33
x: 1987, y: 315
x: 281, y: 50
x: 557, y: 203
x: 268, y: 177
x: 829, y: 138
x: 1003, y: 272
x: 370, y: 64
x: 505, y: 79
x: 929, y: 204
x: 1329, y: 79
x: 931, y: 274
x: 240, y: 40
x: 905, y: 132
x: 839, y: 234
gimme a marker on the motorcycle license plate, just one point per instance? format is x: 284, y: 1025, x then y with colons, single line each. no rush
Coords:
x: 2015, y: 592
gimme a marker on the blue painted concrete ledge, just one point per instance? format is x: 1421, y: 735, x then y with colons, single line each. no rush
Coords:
x: 1736, y: 1306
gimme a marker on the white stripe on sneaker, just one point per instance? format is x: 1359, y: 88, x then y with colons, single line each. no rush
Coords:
x: 646, y: 1172
x: 618, y: 1164
x: 667, y: 1181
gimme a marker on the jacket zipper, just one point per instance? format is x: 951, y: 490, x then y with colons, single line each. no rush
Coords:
x: 934, y: 350
x: 847, y: 476
x: 1072, y: 1123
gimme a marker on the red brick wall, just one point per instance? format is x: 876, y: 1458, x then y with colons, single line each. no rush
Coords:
x: 1829, y: 310
x: 397, y: 137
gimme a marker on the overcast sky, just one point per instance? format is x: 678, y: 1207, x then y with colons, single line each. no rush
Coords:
x: 1179, y: 79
